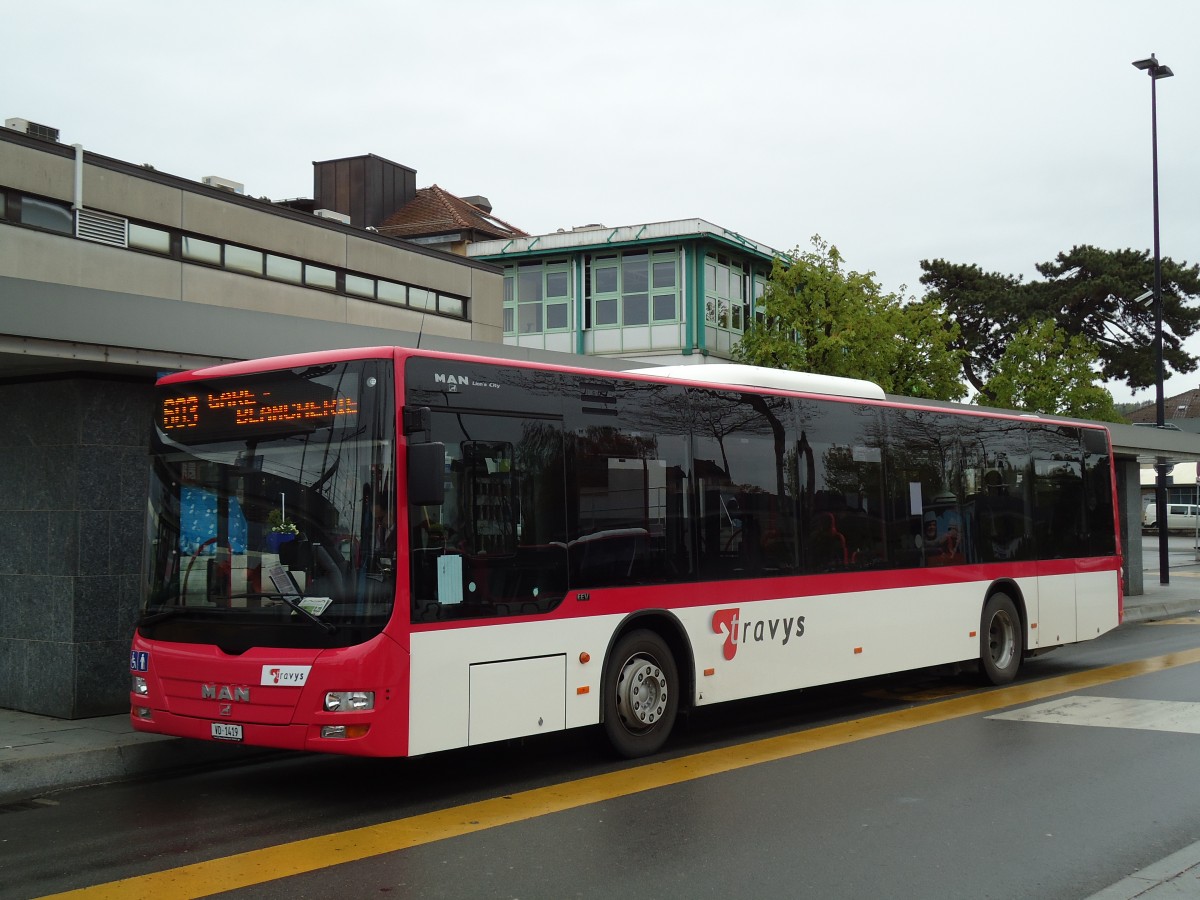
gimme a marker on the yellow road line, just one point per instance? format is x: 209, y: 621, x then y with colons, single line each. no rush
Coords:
x: 1179, y: 620
x: 295, y: 858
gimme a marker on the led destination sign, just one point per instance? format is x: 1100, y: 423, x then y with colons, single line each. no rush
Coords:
x: 198, y: 414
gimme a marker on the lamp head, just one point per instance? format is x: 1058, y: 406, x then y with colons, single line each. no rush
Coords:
x: 1152, y: 66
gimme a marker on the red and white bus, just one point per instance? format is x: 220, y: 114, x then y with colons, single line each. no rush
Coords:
x: 391, y: 552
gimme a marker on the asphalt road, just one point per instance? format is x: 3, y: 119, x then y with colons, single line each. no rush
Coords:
x: 902, y: 787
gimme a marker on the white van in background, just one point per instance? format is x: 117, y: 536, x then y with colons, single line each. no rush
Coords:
x: 1180, y: 517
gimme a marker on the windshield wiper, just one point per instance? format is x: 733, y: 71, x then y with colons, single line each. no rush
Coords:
x: 164, y: 612
x: 329, y: 627
x: 167, y: 612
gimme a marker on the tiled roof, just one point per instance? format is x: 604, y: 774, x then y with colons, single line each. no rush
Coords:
x: 436, y: 211
x: 1181, y: 406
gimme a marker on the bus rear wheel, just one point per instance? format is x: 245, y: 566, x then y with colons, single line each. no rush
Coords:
x: 1001, y: 642
x: 641, y: 695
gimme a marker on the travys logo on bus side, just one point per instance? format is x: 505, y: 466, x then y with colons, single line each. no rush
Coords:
x: 757, y: 631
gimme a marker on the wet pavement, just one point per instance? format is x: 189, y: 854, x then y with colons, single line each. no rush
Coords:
x: 41, y: 754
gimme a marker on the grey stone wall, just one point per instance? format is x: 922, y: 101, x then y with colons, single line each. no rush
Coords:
x: 73, y: 477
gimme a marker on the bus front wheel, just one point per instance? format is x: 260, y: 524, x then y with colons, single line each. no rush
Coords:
x: 1000, y: 640
x: 641, y: 694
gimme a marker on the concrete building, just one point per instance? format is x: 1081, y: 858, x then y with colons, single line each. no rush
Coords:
x: 110, y: 273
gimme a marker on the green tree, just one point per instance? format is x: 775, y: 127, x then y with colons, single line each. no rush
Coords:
x: 819, y: 317
x: 1091, y: 292
x: 985, y: 307
x: 1124, y: 409
x: 1088, y: 292
x: 927, y: 364
x: 1043, y: 369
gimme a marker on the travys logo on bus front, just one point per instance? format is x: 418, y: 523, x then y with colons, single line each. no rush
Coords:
x: 757, y: 631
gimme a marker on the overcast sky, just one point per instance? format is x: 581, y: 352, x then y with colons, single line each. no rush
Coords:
x: 995, y: 133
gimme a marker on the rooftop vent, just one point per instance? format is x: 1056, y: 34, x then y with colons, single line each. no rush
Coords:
x: 234, y: 187
x: 33, y: 129
x: 332, y: 214
x: 479, y: 202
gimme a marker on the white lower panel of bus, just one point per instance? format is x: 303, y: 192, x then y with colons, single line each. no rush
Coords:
x: 505, y: 680
x: 1095, y: 609
x: 517, y: 697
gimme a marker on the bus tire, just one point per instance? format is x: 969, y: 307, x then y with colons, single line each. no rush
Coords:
x: 1001, y: 642
x: 641, y: 695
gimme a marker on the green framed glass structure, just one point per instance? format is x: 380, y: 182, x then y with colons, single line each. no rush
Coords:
x: 662, y: 292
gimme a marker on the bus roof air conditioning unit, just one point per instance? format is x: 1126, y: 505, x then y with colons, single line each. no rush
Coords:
x: 33, y: 129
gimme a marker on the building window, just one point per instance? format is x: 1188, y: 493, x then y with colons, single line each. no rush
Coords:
x: 243, y: 259
x: 636, y: 288
x: 451, y: 306
x: 197, y: 250
x: 727, y: 292
x: 320, y: 277
x: 46, y: 214
x: 529, y: 298
x: 419, y: 298
x: 537, y: 297
x: 558, y: 296
x: 282, y: 268
x: 737, y: 298
x: 664, y: 286
x: 156, y: 240
x: 360, y: 287
x: 760, y: 289
x: 390, y: 292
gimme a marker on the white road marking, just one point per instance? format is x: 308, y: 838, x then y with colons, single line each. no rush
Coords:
x: 1112, y: 712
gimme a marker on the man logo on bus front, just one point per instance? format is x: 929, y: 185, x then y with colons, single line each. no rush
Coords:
x: 728, y: 622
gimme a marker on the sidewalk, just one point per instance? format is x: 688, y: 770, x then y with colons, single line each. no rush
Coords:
x: 39, y: 754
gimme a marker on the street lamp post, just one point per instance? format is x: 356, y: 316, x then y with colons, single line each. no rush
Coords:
x: 1156, y: 70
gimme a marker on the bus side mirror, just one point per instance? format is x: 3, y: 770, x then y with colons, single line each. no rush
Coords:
x: 426, y: 474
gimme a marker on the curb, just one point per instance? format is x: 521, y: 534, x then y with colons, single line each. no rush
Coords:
x: 1166, y: 610
x: 142, y: 756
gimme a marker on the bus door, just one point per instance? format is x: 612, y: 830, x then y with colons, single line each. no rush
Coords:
x: 1059, y: 541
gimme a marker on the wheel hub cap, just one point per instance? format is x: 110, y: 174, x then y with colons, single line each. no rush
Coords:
x: 641, y: 694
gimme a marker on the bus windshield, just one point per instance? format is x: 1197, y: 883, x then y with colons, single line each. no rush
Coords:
x: 272, y: 508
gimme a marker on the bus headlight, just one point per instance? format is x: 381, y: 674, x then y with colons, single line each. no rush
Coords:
x: 349, y: 701
x: 139, y: 686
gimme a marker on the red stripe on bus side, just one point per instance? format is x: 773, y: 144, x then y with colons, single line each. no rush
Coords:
x: 623, y: 600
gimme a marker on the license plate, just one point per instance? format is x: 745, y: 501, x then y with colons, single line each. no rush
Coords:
x: 224, y: 731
